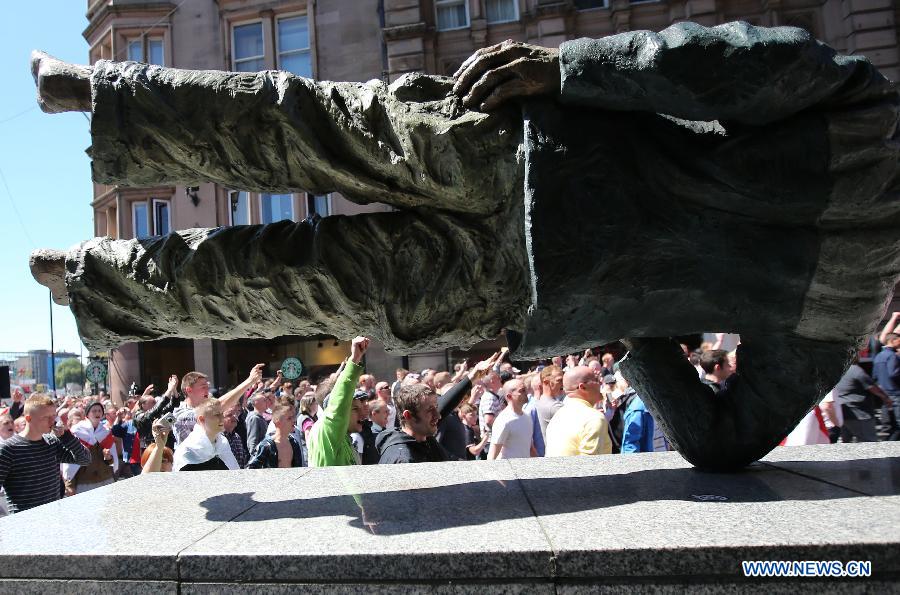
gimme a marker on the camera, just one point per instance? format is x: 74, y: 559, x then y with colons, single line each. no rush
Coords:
x: 167, y: 420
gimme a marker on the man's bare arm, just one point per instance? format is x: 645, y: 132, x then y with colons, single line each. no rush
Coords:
x: 229, y: 399
x: 889, y: 327
x: 878, y: 392
x: 828, y: 409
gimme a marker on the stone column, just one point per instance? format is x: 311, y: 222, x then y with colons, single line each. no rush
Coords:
x: 871, y: 30
x: 404, y: 33
x: 124, y: 368
x: 204, y: 360
x: 112, y: 229
x: 380, y: 363
x: 620, y: 15
x: 549, y: 24
x: 436, y: 360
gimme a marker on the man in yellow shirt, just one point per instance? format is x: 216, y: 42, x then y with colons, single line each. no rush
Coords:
x: 579, y: 428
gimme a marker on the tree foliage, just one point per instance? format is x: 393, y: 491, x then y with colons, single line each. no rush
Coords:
x: 69, y: 371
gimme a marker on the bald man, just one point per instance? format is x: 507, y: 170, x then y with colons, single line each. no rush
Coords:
x: 579, y: 428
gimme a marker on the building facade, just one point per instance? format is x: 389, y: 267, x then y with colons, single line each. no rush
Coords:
x: 324, y: 39
x: 358, y: 40
x: 437, y: 35
x: 37, y: 367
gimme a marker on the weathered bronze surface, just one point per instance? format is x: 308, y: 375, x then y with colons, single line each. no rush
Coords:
x: 731, y: 178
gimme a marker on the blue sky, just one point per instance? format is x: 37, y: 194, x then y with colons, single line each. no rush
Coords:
x: 46, y: 171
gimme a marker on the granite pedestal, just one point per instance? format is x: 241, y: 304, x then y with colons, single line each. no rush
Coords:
x: 645, y: 522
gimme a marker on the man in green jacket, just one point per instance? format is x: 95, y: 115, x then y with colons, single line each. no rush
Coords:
x: 329, y: 438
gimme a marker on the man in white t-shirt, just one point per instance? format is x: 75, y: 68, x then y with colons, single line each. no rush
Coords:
x: 511, y: 435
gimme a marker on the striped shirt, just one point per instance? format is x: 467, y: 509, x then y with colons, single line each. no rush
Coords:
x: 29, y: 469
x: 237, y: 447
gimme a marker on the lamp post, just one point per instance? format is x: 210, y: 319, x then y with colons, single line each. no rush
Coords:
x: 52, y: 351
x: 81, y: 362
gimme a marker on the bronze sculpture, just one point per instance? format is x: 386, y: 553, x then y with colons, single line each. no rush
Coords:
x: 566, y: 196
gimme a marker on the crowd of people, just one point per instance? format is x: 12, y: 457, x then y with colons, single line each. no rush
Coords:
x: 579, y: 404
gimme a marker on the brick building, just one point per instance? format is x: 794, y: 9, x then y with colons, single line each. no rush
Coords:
x: 357, y: 40
x: 437, y: 35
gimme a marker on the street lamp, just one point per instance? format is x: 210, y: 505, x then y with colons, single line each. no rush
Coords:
x: 52, y: 351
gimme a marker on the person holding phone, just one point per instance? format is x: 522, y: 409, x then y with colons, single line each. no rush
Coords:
x: 151, y: 409
x: 158, y: 457
x: 30, y: 460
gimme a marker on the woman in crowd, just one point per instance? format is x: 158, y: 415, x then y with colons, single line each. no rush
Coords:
x: 157, y: 457
x: 309, y: 414
x: 97, y: 437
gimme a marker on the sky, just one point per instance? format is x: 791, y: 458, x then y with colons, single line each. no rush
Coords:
x: 45, y: 178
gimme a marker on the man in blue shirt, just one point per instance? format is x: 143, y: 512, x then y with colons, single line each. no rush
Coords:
x: 886, y: 372
x: 638, y: 424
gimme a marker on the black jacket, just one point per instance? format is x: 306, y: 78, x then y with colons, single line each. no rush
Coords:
x: 396, y: 446
x: 16, y: 409
x: 370, y: 432
x: 617, y: 423
x: 143, y: 420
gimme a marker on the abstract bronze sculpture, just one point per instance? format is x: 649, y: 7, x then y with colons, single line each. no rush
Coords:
x: 635, y: 187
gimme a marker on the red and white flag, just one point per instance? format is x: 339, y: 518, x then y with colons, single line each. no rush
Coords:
x: 810, y: 430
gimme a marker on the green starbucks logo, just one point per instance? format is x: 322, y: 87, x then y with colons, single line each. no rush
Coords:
x: 95, y: 372
x: 292, y: 368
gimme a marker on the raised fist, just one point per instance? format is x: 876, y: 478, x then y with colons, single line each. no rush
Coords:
x: 358, y: 348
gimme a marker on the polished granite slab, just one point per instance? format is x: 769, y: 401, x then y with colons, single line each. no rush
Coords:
x: 87, y: 587
x: 399, y: 588
x: 437, y: 521
x: 879, y: 476
x: 153, y: 516
x: 534, y: 525
x: 653, y: 515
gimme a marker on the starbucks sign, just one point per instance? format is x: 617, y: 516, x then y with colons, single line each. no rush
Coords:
x: 95, y: 372
x: 292, y: 368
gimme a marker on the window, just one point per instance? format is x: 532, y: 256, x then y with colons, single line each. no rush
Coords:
x: 452, y: 14
x: 588, y: 4
x: 249, y: 55
x: 140, y: 222
x: 147, y: 50
x: 239, y: 207
x: 318, y: 204
x: 135, y: 50
x: 502, y: 11
x: 155, y: 51
x: 162, y: 220
x: 293, y: 46
x: 276, y: 207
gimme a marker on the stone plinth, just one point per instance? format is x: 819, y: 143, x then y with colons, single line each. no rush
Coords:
x: 601, y: 524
